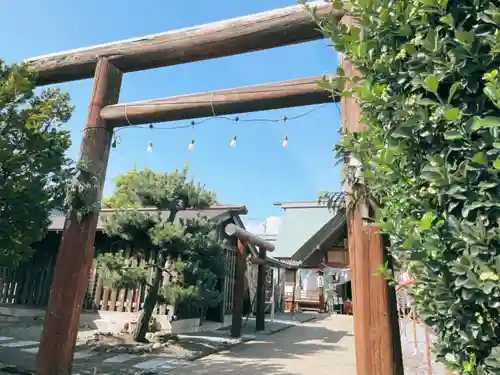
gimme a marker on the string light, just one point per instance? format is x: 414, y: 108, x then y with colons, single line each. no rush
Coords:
x: 285, y: 142
x: 150, y: 146
x: 191, y: 146
x: 233, y: 142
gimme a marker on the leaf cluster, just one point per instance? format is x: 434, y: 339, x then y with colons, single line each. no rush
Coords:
x: 201, y: 264
x: 165, y: 191
x: 429, y: 92
x: 118, y: 272
x: 34, y: 171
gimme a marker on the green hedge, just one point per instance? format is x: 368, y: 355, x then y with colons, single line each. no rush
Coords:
x: 430, y: 96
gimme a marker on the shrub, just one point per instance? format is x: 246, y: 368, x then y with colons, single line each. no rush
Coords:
x: 430, y: 98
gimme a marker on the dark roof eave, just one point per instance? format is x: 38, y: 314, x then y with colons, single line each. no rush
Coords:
x: 227, y: 212
x: 332, y: 227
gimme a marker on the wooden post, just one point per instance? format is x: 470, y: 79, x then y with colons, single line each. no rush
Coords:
x: 414, y: 329
x: 76, y: 249
x: 238, y: 291
x: 321, y: 296
x: 428, y: 357
x: 294, y: 289
x: 375, y: 353
x: 275, y: 278
x: 260, y: 318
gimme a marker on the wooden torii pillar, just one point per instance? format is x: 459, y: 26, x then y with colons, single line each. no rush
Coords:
x: 376, y: 331
x: 244, y: 237
x: 76, y: 249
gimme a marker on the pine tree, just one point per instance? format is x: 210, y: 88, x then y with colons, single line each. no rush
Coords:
x: 187, y: 251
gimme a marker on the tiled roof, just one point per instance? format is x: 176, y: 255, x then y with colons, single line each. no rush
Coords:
x: 213, y: 213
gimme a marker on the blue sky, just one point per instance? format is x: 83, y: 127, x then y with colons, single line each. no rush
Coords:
x: 258, y: 171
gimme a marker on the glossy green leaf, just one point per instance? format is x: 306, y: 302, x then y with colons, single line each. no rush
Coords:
x: 465, y: 37
x: 480, y: 158
x: 448, y: 19
x: 452, y: 135
x: 426, y: 222
x: 486, y: 122
x: 452, y: 114
x: 431, y: 83
x: 427, y: 102
x: 453, y: 90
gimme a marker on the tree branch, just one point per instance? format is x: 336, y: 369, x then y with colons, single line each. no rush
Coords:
x: 160, y: 267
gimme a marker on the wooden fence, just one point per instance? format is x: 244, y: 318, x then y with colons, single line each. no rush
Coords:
x: 100, y: 297
x: 30, y: 283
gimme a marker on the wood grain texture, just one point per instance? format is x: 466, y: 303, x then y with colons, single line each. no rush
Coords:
x: 376, y: 346
x: 255, y: 32
x: 285, y: 94
x: 76, y: 249
x: 261, y: 293
x: 238, y: 291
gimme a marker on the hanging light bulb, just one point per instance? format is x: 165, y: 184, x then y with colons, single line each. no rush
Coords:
x: 233, y: 142
x: 285, y: 142
x: 150, y: 147
x: 191, y: 146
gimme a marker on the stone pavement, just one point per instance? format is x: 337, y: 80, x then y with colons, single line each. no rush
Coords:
x: 19, y: 350
x: 319, y: 347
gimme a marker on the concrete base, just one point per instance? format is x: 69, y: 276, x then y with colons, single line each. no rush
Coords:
x: 113, y: 321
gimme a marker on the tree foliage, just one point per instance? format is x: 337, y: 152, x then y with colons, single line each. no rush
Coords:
x: 430, y: 98
x: 147, y: 205
x: 125, y: 195
x: 34, y: 170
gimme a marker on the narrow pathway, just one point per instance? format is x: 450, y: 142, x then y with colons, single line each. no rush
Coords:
x: 320, y: 347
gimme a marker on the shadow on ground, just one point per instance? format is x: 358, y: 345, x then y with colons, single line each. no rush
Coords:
x: 29, y: 327
x: 271, y: 354
x: 307, y: 339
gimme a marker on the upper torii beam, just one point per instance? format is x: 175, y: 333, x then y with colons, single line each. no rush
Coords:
x: 255, y: 32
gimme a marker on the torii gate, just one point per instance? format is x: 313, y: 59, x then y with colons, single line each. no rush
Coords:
x: 244, y: 238
x: 376, y: 348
